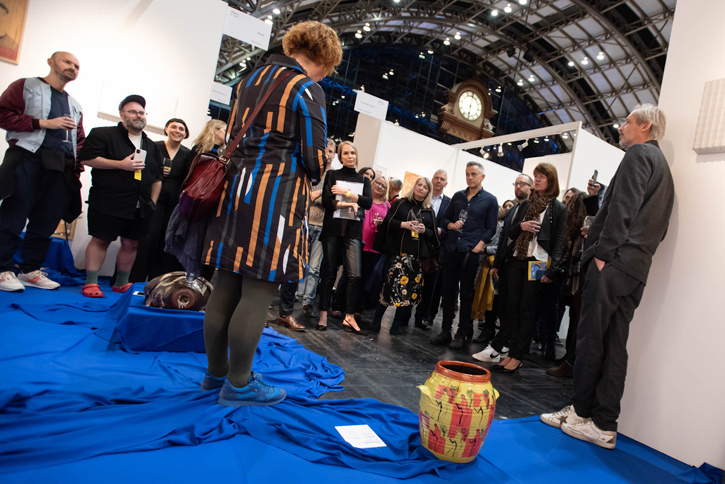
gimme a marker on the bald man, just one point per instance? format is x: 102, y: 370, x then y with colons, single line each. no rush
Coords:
x: 39, y: 174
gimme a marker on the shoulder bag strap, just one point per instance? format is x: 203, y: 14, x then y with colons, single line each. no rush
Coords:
x: 238, y: 138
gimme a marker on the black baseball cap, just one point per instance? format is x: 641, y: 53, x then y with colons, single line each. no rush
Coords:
x: 133, y: 98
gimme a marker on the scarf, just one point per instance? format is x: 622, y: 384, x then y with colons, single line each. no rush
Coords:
x: 537, y: 204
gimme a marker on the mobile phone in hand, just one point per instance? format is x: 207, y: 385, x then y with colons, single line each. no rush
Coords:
x: 139, y: 155
x: 594, y: 176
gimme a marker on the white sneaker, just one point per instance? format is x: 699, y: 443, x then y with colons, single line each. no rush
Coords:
x: 589, y: 432
x: 565, y: 415
x: 37, y: 279
x: 10, y: 283
x: 490, y: 355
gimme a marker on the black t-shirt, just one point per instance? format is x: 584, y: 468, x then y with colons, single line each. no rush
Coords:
x: 118, y: 192
x: 55, y: 138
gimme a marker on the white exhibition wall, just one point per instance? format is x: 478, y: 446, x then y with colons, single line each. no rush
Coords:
x: 675, y: 395
x: 592, y: 153
x: 165, y: 50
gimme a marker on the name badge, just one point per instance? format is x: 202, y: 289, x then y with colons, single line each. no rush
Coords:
x: 137, y: 175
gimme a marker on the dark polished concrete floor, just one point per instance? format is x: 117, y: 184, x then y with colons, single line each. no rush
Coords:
x: 388, y: 368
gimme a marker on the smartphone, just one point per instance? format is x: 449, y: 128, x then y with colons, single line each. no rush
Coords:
x: 594, y: 176
x: 138, y: 293
x: 140, y: 155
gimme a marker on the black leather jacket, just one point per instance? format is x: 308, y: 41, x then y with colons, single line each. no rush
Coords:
x: 550, y: 237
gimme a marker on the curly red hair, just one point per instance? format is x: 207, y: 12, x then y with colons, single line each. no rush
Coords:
x: 317, y: 41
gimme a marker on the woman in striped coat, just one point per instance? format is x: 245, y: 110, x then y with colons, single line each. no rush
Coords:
x: 258, y: 238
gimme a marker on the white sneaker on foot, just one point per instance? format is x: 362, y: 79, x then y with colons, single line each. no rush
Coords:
x: 589, y: 432
x: 9, y: 282
x: 490, y: 355
x: 565, y: 415
x: 37, y: 279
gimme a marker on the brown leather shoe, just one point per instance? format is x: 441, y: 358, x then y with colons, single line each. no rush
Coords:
x: 291, y: 323
x: 565, y: 370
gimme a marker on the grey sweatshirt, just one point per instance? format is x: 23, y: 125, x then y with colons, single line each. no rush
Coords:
x: 635, y: 212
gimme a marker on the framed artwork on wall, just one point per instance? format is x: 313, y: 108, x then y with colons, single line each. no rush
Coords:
x: 12, y: 22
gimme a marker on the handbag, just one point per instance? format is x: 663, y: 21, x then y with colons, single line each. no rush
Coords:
x: 203, y: 186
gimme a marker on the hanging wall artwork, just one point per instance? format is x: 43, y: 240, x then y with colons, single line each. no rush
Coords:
x: 12, y: 22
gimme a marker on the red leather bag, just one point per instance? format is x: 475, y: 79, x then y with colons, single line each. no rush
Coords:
x: 203, y: 186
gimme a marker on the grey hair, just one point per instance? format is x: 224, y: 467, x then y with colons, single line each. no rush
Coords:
x: 330, y: 142
x: 441, y: 170
x: 531, y: 181
x: 649, y: 113
x: 477, y: 165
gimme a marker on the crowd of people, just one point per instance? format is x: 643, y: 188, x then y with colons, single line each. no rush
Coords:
x: 287, y: 222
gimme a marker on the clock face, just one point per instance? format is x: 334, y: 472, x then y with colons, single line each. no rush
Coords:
x: 469, y: 103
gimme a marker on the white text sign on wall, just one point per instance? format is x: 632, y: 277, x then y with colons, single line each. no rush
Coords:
x: 371, y: 105
x: 220, y: 93
x: 247, y: 28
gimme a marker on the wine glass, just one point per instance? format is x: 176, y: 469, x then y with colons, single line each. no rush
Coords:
x: 462, y: 218
x: 67, y: 132
x: 413, y: 217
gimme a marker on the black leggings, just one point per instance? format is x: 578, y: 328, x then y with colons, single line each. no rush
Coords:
x: 233, y: 324
x: 350, y: 251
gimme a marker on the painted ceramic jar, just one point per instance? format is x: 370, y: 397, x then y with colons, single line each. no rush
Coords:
x: 457, y: 404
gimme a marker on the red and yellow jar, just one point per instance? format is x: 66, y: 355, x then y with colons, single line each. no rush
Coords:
x: 457, y: 404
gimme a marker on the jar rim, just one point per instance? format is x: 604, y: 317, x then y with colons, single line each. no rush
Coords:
x: 442, y: 368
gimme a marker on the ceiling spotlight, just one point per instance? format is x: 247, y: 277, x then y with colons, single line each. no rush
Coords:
x: 523, y: 2
x: 416, y: 116
x: 362, y: 87
x: 532, y: 78
x: 421, y: 56
x: 269, y: 17
x: 457, y: 36
x: 367, y: 27
x: 536, y: 140
x: 523, y: 145
x: 430, y: 51
x: 447, y: 41
x: 520, y: 82
x: 500, y: 150
x: 268, y: 21
x: 615, y: 126
x: 571, y: 63
x: 243, y: 63
x: 494, y: 13
x: 391, y: 72
x: 397, y: 123
x: 385, y: 76
x: 498, y: 89
x: 508, y: 144
x: 484, y: 153
x: 565, y: 135
x: 276, y: 11
x: 358, y: 34
x: 342, y: 96
x: 546, y: 139
x: 396, y: 1
x: 585, y: 61
x: 508, y: 8
x: 422, y: 115
x: 600, y: 56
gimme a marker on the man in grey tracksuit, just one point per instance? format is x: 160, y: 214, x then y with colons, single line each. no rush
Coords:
x: 624, y: 236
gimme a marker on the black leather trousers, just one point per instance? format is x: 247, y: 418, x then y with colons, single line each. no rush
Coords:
x: 347, y: 251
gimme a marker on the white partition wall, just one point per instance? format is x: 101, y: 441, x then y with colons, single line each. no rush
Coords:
x: 591, y: 153
x: 675, y: 395
x: 137, y: 47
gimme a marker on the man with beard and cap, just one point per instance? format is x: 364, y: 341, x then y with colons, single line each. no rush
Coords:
x: 39, y: 174
x: 127, y: 175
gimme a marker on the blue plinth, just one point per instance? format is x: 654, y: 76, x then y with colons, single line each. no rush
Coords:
x: 142, y: 328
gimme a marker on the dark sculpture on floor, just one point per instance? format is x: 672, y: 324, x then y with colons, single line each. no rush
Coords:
x: 177, y: 291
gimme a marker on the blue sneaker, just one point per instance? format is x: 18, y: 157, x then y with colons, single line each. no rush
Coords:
x: 211, y: 382
x: 255, y: 393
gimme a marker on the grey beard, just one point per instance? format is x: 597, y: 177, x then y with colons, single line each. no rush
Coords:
x: 137, y: 125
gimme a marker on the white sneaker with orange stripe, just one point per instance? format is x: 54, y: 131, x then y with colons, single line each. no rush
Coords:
x: 9, y: 282
x: 37, y: 279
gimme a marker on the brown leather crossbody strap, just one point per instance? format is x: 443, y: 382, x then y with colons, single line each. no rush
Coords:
x: 238, y: 138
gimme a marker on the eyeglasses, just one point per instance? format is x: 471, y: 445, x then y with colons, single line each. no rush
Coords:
x: 381, y: 185
x: 521, y: 184
x: 136, y: 113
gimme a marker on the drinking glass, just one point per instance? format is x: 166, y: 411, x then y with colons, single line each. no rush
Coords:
x: 462, y: 217
x: 68, y: 138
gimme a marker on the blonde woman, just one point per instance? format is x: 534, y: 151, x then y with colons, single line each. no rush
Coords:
x: 211, y: 139
x: 342, y: 234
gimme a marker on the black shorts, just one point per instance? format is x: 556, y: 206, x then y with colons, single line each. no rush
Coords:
x: 108, y: 227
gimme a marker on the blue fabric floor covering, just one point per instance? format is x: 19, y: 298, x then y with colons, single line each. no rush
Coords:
x: 76, y: 408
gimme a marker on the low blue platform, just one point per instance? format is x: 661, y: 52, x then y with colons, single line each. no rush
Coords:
x: 78, y: 406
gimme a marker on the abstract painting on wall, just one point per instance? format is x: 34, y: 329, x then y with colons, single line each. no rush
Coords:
x: 12, y: 22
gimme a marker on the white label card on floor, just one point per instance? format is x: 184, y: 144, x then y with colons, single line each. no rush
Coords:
x: 360, y: 436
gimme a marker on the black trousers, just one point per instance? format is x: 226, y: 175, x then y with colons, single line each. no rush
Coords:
x: 369, y: 261
x: 460, y: 269
x: 428, y: 305
x: 287, y: 292
x: 41, y: 197
x: 350, y: 250
x: 522, y: 302
x: 549, y: 312
x: 151, y: 260
x: 608, y: 303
